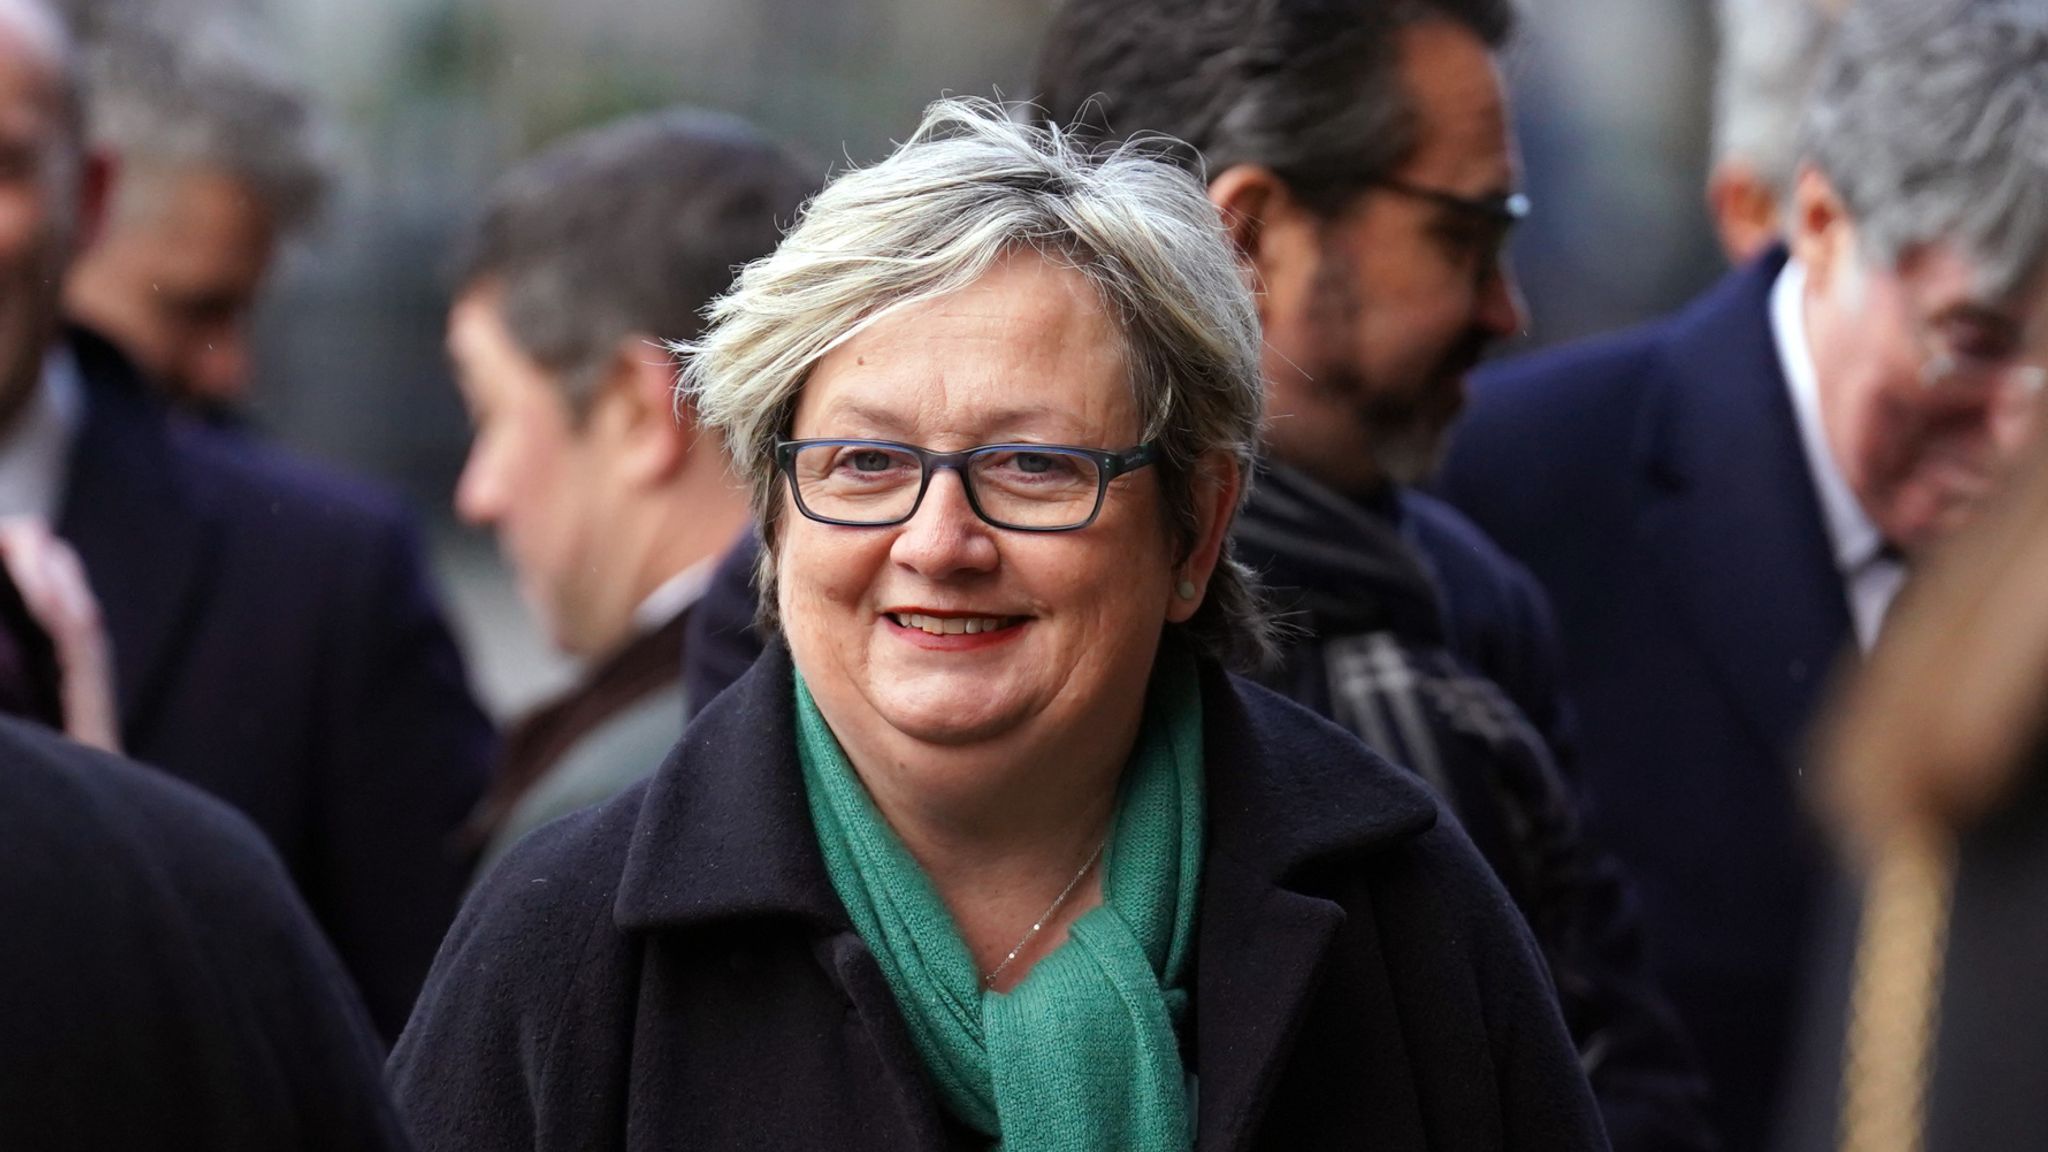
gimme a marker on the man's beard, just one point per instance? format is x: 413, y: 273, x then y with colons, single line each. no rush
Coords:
x: 1403, y: 430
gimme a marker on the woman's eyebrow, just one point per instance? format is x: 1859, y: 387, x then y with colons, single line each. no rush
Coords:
x: 890, y: 420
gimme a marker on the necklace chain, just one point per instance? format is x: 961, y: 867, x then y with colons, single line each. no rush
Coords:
x: 989, y: 981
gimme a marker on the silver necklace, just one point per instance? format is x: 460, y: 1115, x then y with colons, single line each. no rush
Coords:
x: 989, y: 981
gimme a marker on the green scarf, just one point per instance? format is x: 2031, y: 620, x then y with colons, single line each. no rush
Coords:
x: 1082, y: 1054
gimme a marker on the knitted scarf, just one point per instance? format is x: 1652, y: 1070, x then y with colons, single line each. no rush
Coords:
x: 1082, y: 1054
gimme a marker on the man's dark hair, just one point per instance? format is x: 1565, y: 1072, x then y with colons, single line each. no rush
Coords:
x: 630, y: 227
x: 1308, y: 88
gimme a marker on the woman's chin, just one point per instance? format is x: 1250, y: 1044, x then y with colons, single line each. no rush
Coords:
x: 952, y: 718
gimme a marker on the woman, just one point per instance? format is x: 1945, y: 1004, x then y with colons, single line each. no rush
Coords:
x: 990, y: 849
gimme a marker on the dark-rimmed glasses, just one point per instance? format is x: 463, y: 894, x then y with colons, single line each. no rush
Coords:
x: 1485, y: 222
x: 1020, y: 487
x: 1503, y: 210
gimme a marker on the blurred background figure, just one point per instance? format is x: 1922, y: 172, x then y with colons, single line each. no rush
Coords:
x: 162, y: 985
x: 1770, y: 52
x: 609, y: 498
x: 1721, y: 502
x: 273, y: 639
x: 1929, y: 1028
x: 215, y: 147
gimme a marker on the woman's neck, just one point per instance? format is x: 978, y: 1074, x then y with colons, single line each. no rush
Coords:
x: 1007, y: 832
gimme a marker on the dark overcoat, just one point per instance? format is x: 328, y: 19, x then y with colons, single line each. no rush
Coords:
x: 276, y: 643
x: 1655, y: 484
x: 673, y: 970
x: 162, y: 988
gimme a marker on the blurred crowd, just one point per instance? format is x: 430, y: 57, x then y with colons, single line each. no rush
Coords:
x: 1678, y: 783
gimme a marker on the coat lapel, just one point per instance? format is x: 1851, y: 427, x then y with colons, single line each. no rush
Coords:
x: 1729, y: 518
x: 725, y: 837
x: 1279, y: 804
x: 133, y: 521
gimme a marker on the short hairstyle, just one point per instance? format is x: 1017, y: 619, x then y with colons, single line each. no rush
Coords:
x: 633, y: 226
x: 1311, y: 89
x: 206, y: 94
x: 1931, y: 121
x: 969, y: 188
x: 1770, y: 54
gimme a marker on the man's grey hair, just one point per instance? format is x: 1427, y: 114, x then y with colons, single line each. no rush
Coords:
x: 968, y: 189
x: 1311, y: 89
x: 206, y: 94
x: 1771, y: 51
x: 630, y: 227
x: 1931, y: 121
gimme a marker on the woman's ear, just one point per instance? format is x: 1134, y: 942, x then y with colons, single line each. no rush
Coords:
x: 1218, y: 482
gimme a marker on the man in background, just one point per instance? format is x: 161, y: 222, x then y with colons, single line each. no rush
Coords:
x: 215, y: 149
x: 272, y: 636
x: 1770, y: 52
x: 1722, y: 502
x: 609, y: 500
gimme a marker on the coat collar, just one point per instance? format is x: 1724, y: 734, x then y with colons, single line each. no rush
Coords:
x: 1729, y: 514
x: 725, y: 828
x: 130, y: 514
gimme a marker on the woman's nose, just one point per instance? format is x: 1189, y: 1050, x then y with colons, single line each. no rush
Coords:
x: 945, y: 537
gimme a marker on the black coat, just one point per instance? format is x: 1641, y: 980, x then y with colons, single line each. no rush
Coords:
x: 673, y: 969
x: 275, y: 643
x: 161, y: 986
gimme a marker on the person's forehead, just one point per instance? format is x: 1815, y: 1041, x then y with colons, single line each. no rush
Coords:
x: 1460, y: 108
x: 1029, y: 344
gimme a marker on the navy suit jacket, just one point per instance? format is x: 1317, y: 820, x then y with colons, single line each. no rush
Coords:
x: 1655, y: 484
x: 276, y: 644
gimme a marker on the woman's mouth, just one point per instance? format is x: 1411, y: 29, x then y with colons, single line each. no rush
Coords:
x: 952, y: 625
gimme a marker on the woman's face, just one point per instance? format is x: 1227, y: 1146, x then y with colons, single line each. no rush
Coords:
x: 1024, y: 354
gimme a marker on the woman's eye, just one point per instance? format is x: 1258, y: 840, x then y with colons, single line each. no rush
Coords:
x: 1033, y: 462
x: 869, y: 461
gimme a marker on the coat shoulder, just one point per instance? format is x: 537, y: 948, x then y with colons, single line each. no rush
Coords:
x: 264, y: 491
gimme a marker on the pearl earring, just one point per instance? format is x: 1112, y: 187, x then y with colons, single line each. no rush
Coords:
x: 1185, y: 589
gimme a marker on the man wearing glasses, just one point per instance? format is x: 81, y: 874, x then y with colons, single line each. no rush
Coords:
x: 1724, y: 501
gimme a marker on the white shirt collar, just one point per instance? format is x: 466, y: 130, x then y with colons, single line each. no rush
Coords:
x: 675, y: 594
x: 1870, y: 578
x: 35, y: 454
x: 1852, y: 535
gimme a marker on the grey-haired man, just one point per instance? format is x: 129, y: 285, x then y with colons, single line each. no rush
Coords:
x: 1722, y: 503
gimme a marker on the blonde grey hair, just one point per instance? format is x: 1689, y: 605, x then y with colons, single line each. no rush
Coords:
x: 968, y: 188
x: 206, y: 92
x: 1931, y: 121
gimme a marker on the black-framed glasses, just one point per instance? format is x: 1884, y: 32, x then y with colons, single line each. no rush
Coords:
x: 1478, y: 242
x: 1503, y: 210
x: 1021, y: 487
